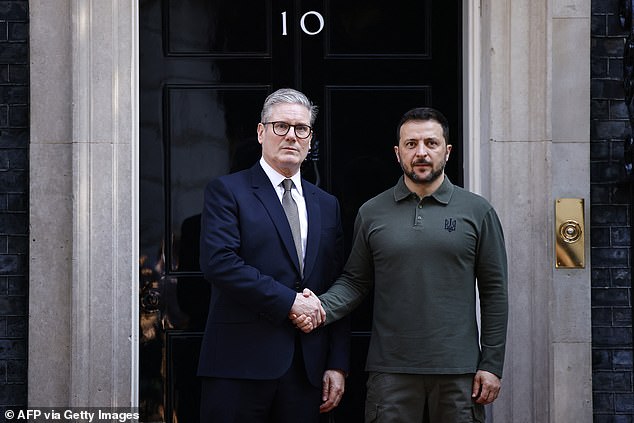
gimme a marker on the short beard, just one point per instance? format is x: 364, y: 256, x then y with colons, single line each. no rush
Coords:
x: 433, y: 175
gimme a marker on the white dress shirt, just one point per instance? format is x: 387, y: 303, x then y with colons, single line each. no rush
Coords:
x: 296, y: 192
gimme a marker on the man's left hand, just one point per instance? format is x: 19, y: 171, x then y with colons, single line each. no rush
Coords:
x: 486, y: 387
x: 334, y: 383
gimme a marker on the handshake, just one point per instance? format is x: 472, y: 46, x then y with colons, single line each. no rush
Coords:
x: 307, y: 313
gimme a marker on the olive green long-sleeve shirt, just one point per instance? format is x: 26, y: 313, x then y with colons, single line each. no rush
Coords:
x: 423, y: 258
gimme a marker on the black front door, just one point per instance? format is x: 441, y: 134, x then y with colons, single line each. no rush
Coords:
x: 205, y: 68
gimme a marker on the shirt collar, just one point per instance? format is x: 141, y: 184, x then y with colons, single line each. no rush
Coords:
x: 276, y: 178
x: 442, y: 194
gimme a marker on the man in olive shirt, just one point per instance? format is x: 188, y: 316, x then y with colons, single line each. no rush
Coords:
x: 423, y: 246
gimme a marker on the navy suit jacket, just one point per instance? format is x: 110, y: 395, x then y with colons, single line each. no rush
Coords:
x: 248, y: 255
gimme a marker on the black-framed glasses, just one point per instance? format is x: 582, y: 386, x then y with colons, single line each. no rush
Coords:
x: 281, y: 128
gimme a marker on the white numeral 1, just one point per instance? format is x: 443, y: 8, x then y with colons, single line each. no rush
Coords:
x: 284, y: 23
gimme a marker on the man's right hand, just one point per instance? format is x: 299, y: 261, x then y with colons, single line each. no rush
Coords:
x: 307, y: 305
x: 302, y: 322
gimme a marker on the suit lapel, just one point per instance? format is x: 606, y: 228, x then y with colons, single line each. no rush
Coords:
x: 314, y: 227
x: 266, y: 194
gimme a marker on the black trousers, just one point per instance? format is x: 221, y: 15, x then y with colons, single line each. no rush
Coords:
x: 289, y: 399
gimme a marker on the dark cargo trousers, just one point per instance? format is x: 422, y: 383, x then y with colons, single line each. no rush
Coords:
x: 404, y: 398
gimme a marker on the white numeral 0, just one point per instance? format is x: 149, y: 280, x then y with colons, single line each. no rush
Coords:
x: 321, y: 22
x: 302, y: 23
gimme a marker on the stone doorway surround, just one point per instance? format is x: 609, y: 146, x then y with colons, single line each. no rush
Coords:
x: 83, y: 254
x: 527, y: 118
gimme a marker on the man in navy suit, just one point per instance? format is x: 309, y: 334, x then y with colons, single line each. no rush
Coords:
x: 255, y: 365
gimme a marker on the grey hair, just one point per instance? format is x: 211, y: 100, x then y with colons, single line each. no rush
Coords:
x: 288, y: 96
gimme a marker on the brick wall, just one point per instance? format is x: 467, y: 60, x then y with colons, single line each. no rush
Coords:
x: 611, y: 202
x: 14, y: 205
